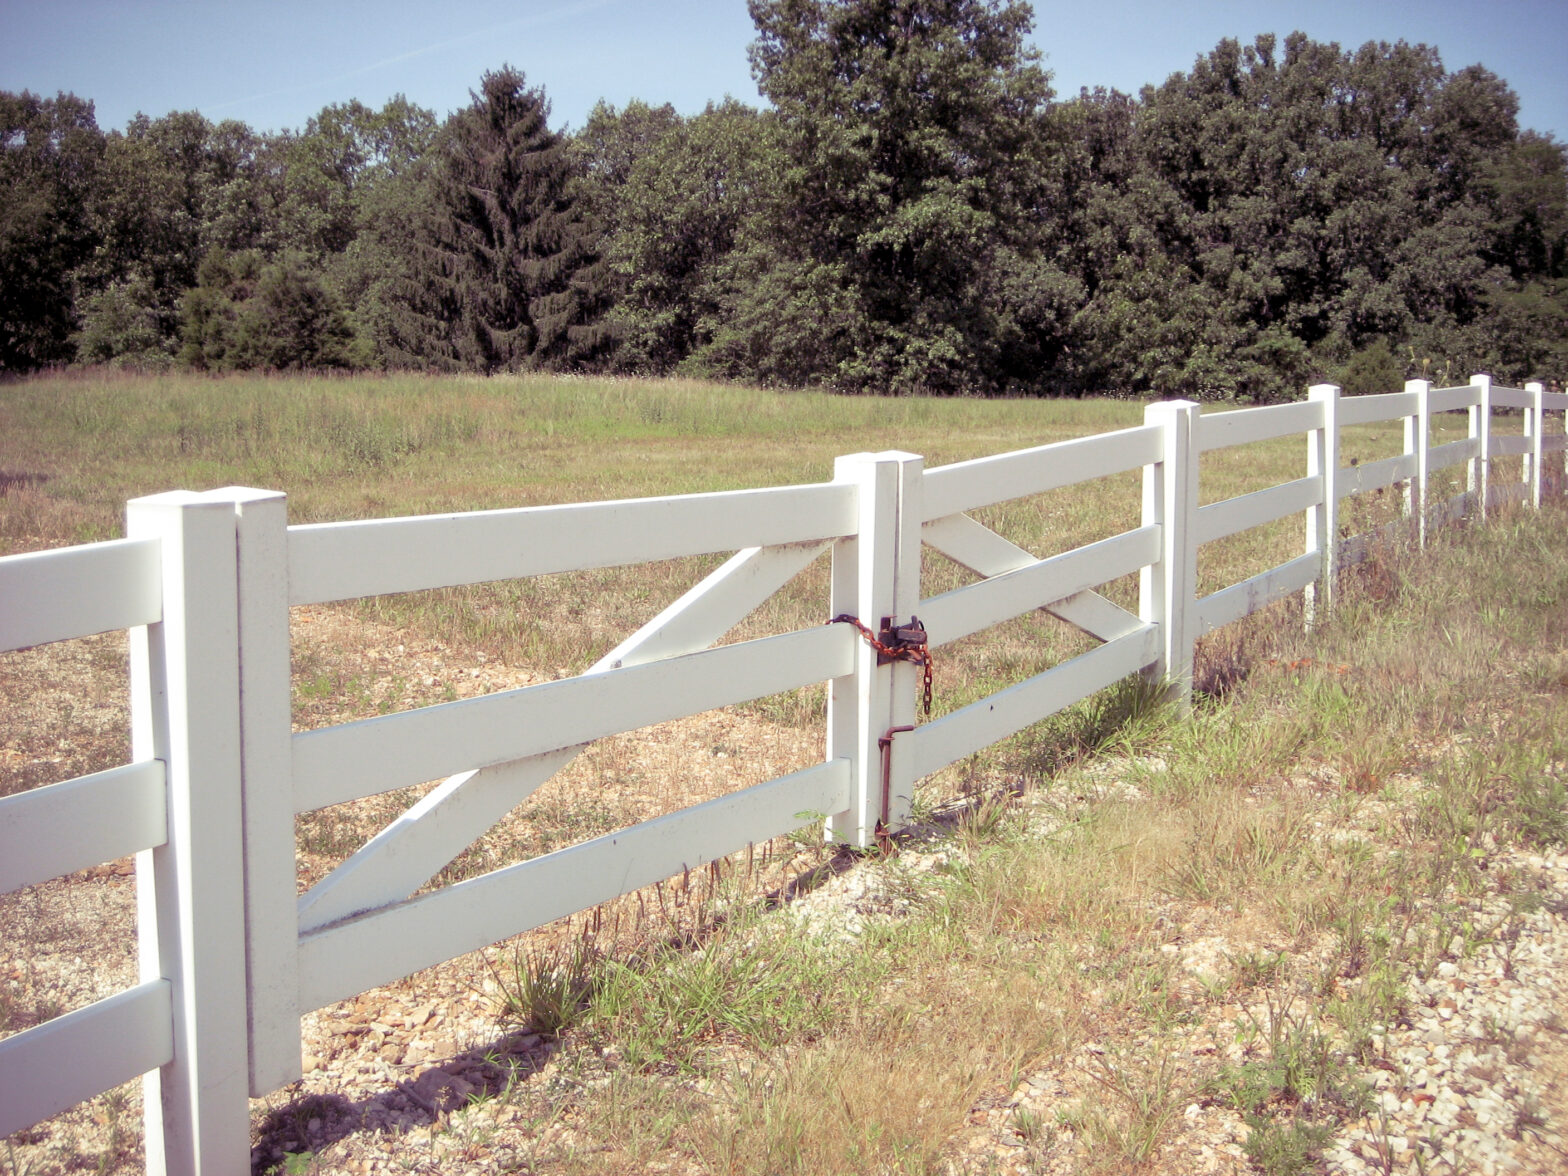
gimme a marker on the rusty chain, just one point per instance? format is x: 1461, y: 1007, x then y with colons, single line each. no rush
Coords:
x: 908, y: 643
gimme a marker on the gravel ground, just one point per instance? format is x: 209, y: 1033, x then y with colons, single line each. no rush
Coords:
x: 1475, y: 1083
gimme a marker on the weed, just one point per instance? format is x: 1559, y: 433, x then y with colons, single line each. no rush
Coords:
x: 549, y: 989
x: 1293, y: 1094
x: 1145, y: 1096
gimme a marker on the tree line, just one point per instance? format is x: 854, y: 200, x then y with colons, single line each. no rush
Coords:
x: 914, y: 210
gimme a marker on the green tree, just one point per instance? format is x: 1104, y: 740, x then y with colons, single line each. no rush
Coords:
x: 1288, y: 207
x: 210, y: 311
x: 50, y: 150
x: 911, y: 133
x: 506, y: 237
x: 682, y: 207
x: 247, y: 312
x: 605, y: 154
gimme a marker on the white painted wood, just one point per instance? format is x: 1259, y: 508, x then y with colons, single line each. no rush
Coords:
x: 417, y: 844
x: 343, y: 763
x: 1535, y: 430
x: 334, y: 561
x: 1478, y: 476
x: 1512, y: 398
x: 1555, y: 402
x: 342, y: 960
x: 986, y: 553
x: 413, y: 848
x: 907, y: 677
x: 1322, y: 517
x: 974, y: 546
x: 1554, y: 443
x: 266, y: 764
x: 965, y: 731
x: 865, y: 703
x: 1453, y: 399
x: 1170, y: 501
x: 78, y: 823
x: 190, y: 891
x: 966, y: 485
x: 1418, y: 442
x: 52, y: 1067
x: 849, y: 698
x: 1368, y: 410
x: 1355, y: 548
x: 1220, y: 430
x: 1452, y: 510
x: 956, y: 614
x: 77, y: 591
x: 1095, y: 615
x: 1234, y: 515
x: 1257, y: 592
x: 1510, y: 445
x: 1440, y: 457
x: 1375, y: 475
x: 724, y: 598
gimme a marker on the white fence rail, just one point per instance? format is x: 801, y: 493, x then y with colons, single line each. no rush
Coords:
x: 205, y: 582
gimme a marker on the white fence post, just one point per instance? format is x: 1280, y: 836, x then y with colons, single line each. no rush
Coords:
x: 1535, y: 429
x: 190, y: 891
x: 271, y: 921
x: 1478, y: 481
x: 1167, y: 590
x: 1418, y: 440
x: 1323, y: 519
x: 875, y: 575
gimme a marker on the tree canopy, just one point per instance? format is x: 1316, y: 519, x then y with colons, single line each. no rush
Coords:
x: 913, y: 210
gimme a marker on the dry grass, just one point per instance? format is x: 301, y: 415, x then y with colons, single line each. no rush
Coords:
x: 1028, y: 947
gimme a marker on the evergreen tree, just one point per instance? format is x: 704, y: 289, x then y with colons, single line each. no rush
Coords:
x: 506, y: 235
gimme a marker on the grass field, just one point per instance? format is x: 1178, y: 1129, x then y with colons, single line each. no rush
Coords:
x: 1213, y: 829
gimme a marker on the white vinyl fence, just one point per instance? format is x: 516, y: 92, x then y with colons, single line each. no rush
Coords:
x: 231, y: 957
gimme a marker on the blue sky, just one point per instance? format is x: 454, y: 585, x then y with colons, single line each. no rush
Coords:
x: 274, y: 63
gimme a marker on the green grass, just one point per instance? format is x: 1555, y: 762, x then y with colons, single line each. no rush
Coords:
x: 1034, y: 939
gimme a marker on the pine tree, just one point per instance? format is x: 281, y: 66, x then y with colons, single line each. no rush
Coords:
x: 506, y: 237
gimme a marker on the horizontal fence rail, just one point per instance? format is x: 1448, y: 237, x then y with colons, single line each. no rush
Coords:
x: 336, y: 561
x: 233, y: 957
x: 394, y: 751
x: 78, y: 591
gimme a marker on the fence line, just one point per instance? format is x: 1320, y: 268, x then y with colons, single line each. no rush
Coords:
x: 231, y: 957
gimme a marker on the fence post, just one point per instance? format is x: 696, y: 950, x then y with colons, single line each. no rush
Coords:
x: 1535, y: 429
x: 190, y: 890
x: 266, y: 762
x: 1418, y: 440
x: 875, y: 575
x: 1167, y: 590
x: 1478, y: 481
x: 1323, y: 519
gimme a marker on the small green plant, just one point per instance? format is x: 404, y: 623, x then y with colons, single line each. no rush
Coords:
x: 1146, y: 1097
x: 1294, y: 1093
x: 1031, y: 1126
x: 548, y: 990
